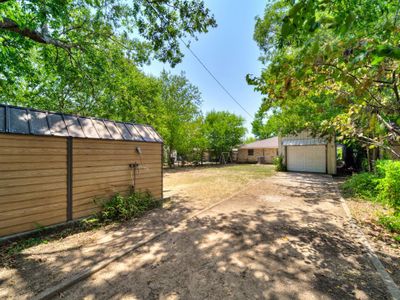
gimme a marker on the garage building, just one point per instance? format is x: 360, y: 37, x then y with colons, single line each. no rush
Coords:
x: 305, y: 153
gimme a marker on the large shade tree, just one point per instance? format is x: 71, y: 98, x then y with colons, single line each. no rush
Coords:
x: 82, y: 55
x: 330, y: 66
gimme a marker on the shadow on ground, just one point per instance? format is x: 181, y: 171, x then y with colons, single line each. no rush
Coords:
x: 286, y: 238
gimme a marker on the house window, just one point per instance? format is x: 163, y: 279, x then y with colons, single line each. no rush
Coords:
x: 250, y: 152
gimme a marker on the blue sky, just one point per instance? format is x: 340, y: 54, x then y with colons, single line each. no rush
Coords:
x: 230, y: 53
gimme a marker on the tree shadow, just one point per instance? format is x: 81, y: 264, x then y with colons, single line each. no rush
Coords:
x: 244, y: 248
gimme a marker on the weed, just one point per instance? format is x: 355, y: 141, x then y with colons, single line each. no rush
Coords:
x: 121, y: 208
x: 279, y: 164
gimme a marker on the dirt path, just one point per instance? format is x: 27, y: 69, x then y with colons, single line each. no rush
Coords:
x: 287, y: 238
x: 45, y: 265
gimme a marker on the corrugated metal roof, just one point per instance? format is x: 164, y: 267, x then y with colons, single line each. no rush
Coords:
x: 20, y: 120
x: 304, y: 142
x: 262, y: 144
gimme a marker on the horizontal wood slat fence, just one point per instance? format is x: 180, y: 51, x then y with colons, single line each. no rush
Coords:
x: 51, y: 180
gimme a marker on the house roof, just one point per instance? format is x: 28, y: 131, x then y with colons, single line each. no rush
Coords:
x: 262, y: 144
x: 20, y: 120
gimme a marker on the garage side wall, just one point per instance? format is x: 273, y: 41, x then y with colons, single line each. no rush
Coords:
x: 33, y: 184
x: 331, y: 157
x: 101, y: 169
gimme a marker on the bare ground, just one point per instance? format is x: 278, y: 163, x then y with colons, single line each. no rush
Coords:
x: 40, y: 267
x: 283, y: 237
x: 386, y: 247
x: 286, y: 237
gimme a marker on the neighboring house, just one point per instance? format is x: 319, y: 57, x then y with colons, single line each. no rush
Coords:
x: 304, y: 153
x: 263, y: 151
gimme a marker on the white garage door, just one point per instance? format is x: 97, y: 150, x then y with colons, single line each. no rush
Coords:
x: 306, y: 158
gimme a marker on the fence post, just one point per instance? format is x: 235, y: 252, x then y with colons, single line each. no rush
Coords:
x: 69, y: 177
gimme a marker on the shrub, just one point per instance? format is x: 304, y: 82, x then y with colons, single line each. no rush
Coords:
x: 389, y: 183
x: 391, y: 222
x: 121, y: 208
x: 279, y: 164
x: 363, y: 185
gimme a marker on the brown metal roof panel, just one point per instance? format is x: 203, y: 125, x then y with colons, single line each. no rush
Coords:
x: 101, y: 129
x: 18, y: 121
x: 57, y: 124
x: 39, y: 123
x: 144, y: 133
x: 154, y: 134
x: 73, y: 126
x: 115, y: 134
x: 134, y: 133
x: 124, y: 131
x: 88, y: 128
x: 2, y: 119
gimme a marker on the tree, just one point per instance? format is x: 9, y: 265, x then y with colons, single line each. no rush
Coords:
x: 77, y: 55
x: 78, y: 26
x: 181, y: 101
x: 223, y: 130
x: 331, y: 66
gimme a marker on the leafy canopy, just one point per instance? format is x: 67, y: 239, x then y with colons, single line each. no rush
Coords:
x: 330, y: 66
x: 224, y: 130
x: 181, y: 109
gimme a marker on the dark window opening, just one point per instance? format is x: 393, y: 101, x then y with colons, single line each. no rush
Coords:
x: 250, y: 152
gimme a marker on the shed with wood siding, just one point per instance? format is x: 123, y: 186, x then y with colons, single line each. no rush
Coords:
x: 53, y: 165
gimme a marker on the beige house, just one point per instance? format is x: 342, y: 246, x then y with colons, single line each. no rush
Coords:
x: 305, y: 153
x: 263, y: 151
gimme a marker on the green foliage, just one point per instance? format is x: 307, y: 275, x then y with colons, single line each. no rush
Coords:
x: 279, y: 164
x: 389, y: 184
x: 223, y: 131
x: 392, y: 223
x: 122, y: 208
x: 249, y: 140
x: 180, y: 115
x: 330, y: 66
x: 83, y: 56
x: 362, y: 185
x: 383, y: 185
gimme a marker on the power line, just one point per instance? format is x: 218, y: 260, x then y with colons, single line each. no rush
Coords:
x: 215, y: 78
x: 203, y: 65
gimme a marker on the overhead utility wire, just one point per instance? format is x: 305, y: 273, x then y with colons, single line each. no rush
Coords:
x: 203, y: 64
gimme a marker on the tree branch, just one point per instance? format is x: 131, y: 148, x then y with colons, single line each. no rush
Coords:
x: 391, y: 128
x: 40, y: 37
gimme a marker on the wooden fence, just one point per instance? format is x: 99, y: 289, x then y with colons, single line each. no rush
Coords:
x: 51, y: 180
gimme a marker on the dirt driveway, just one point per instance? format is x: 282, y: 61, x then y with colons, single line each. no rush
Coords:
x: 285, y: 237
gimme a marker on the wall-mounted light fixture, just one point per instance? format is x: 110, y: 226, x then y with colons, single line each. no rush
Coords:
x: 139, y: 150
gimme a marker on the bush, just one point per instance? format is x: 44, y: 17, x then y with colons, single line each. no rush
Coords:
x: 121, y: 208
x: 382, y: 185
x: 391, y: 222
x: 363, y: 185
x: 279, y: 165
x: 389, y: 183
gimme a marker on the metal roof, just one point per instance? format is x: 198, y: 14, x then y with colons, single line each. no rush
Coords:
x: 304, y: 142
x: 20, y: 120
x: 262, y: 144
